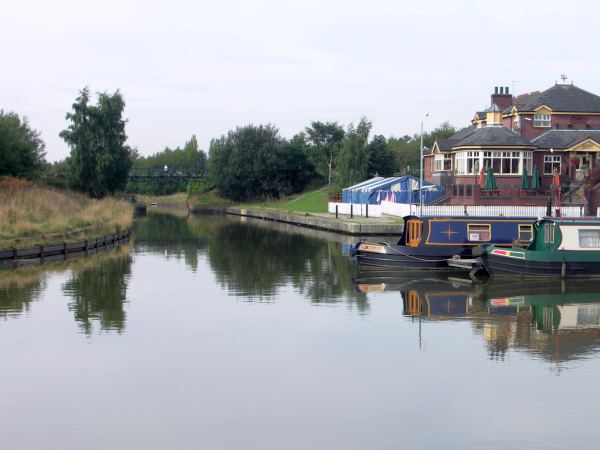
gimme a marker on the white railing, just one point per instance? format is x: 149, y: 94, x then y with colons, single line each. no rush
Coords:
x: 401, y: 210
x: 358, y: 209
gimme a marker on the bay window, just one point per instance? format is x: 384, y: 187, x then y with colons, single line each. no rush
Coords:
x: 501, y: 162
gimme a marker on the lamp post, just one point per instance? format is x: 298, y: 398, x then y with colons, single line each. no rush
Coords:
x: 421, y: 171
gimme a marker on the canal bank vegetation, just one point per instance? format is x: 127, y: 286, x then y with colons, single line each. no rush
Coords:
x: 34, y: 214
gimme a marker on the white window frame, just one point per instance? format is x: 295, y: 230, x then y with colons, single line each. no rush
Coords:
x: 552, y: 160
x: 589, y: 238
x: 471, y: 162
x: 542, y: 120
x: 516, y: 123
x: 441, y: 161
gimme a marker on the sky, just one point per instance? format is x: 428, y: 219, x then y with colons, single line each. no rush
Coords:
x: 203, y: 68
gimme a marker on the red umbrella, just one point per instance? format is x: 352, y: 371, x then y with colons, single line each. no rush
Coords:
x: 481, y: 178
x: 556, y: 179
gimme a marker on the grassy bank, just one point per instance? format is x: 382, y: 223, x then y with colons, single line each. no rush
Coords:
x: 32, y: 214
x: 305, y: 203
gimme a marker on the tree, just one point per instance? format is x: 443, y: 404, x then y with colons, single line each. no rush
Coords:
x: 100, y: 161
x: 254, y: 162
x: 353, y: 160
x: 326, y: 139
x: 22, y: 151
x: 382, y: 160
x: 407, y: 148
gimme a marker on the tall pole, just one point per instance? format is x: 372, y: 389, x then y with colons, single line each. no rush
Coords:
x: 421, y: 175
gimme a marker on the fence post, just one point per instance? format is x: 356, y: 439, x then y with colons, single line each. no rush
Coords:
x: 351, y: 211
x: 336, y: 210
x: 367, y: 210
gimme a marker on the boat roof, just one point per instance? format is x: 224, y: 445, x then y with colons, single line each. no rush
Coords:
x: 532, y: 218
x: 572, y: 220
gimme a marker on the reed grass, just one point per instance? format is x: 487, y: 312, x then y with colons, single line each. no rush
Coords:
x: 32, y: 212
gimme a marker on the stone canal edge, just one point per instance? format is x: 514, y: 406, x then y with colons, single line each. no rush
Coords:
x: 320, y: 222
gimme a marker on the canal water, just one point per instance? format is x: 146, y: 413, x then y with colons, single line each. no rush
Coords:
x: 219, y: 333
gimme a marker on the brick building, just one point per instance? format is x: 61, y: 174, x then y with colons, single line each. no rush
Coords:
x: 556, y: 131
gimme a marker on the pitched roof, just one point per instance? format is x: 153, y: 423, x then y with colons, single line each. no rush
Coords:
x: 493, y: 136
x: 445, y: 145
x: 560, y: 139
x: 560, y: 97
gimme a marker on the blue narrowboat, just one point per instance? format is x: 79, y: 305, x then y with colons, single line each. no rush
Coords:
x: 428, y: 242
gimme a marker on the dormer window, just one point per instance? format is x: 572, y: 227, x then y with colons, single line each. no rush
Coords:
x: 516, y: 123
x: 541, y: 120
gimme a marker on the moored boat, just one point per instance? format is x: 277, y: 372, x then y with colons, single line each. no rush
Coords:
x: 428, y: 242
x: 560, y: 248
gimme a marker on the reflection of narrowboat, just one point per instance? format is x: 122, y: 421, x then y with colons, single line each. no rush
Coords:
x: 561, y: 247
x: 427, y: 242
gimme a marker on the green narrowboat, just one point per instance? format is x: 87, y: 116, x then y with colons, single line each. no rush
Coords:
x: 560, y: 248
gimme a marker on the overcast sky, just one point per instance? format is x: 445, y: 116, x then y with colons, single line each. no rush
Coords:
x: 203, y: 68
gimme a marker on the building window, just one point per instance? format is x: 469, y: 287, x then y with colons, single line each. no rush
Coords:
x: 525, y: 232
x: 551, y: 163
x: 501, y: 162
x: 443, y: 163
x: 516, y: 123
x: 589, y: 238
x: 479, y: 232
x: 541, y: 120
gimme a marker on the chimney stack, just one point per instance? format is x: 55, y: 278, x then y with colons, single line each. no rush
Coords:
x: 501, y: 97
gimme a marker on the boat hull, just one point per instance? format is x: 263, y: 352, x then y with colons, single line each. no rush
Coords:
x: 503, y: 266
x: 395, y: 257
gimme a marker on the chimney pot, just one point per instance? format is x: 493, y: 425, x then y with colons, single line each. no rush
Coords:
x: 506, y: 90
x: 496, y: 90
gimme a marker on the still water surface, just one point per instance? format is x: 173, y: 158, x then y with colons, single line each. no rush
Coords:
x: 213, y: 333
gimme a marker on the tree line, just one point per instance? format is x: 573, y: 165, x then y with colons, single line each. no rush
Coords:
x: 255, y: 161
x: 249, y: 162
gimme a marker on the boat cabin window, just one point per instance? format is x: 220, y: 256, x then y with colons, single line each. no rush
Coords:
x: 589, y: 238
x: 479, y: 232
x: 549, y: 233
x: 525, y: 232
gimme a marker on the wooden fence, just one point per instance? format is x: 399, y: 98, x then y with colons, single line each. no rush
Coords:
x: 54, y: 252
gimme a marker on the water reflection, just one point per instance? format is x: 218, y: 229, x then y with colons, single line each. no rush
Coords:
x: 97, y: 285
x: 252, y: 259
x: 99, y: 293
x: 18, y: 289
x: 556, y: 320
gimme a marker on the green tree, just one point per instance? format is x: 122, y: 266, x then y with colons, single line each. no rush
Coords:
x: 382, y: 161
x: 255, y: 162
x: 22, y: 151
x: 326, y: 140
x: 407, y: 148
x: 353, y: 160
x: 100, y: 161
